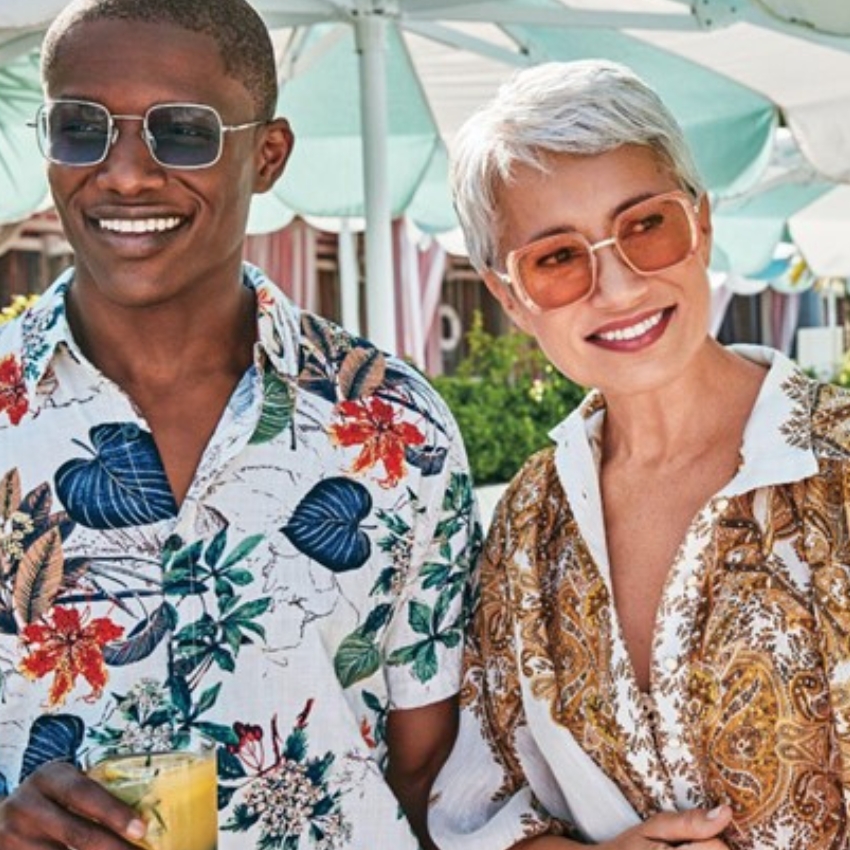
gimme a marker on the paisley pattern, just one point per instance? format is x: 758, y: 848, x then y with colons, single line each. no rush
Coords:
x: 315, y: 577
x: 751, y: 655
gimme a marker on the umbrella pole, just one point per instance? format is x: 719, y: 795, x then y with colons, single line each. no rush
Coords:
x: 380, y: 290
x: 349, y: 279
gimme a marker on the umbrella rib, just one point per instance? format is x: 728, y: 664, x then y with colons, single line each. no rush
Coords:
x: 463, y: 41
x: 555, y: 15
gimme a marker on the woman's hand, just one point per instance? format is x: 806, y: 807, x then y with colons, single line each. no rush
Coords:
x: 696, y: 829
x: 58, y: 807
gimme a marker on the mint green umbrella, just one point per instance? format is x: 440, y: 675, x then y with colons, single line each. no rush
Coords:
x: 23, y: 187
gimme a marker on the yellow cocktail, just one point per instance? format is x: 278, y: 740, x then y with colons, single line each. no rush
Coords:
x: 175, y: 793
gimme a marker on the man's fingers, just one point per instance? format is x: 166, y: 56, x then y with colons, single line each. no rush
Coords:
x: 690, y: 826
x: 76, y: 810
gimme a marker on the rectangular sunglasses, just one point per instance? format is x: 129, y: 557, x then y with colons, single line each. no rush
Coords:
x: 80, y: 133
x: 650, y: 236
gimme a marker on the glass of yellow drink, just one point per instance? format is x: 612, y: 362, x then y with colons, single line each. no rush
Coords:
x: 174, y: 790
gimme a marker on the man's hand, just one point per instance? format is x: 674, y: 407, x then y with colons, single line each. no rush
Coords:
x: 58, y: 807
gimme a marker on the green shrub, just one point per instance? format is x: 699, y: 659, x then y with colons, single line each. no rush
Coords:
x: 506, y: 397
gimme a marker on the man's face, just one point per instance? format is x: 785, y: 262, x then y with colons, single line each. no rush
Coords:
x: 145, y: 234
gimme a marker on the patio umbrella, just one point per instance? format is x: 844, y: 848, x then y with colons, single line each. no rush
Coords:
x: 376, y: 88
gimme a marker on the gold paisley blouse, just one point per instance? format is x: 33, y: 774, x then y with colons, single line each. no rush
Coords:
x: 750, y: 683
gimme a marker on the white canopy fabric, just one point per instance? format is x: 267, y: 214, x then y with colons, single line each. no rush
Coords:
x: 375, y: 90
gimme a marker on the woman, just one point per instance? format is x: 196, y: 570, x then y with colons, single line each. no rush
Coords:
x: 661, y: 651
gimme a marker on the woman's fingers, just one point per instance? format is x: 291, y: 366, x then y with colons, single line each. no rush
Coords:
x: 692, y: 826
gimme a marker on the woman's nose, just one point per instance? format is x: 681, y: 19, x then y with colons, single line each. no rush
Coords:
x: 616, y: 282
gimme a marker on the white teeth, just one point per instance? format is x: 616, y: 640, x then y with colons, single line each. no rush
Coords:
x: 633, y: 332
x: 139, y: 225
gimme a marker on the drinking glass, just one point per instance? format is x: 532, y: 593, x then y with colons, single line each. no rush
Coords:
x: 172, y: 788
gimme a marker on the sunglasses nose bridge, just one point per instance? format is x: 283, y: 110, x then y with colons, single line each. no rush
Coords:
x: 144, y: 131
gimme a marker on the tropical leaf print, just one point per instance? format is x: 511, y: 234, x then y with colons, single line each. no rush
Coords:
x: 358, y: 656
x: 122, y: 485
x: 320, y: 334
x: 54, y: 737
x: 143, y: 639
x: 326, y: 524
x: 429, y: 460
x: 361, y: 372
x: 39, y: 577
x: 278, y: 404
x: 32, y: 565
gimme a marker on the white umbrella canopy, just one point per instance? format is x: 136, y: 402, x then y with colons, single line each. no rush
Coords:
x: 375, y: 90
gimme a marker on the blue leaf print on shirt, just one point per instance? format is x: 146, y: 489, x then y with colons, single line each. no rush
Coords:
x: 122, y: 485
x: 326, y: 524
x: 52, y: 738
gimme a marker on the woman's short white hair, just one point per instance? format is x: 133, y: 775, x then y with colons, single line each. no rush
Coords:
x: 585, y: 107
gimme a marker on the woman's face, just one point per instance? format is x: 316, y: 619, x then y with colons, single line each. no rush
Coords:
x: 633, y: 333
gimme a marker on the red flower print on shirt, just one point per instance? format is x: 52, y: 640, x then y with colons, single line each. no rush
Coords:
x: 68, y: 647
x: 13, y: 395
x: 374, y: 425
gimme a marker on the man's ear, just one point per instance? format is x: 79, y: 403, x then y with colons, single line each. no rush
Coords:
x: 272, y: 153
x: 504, y: 294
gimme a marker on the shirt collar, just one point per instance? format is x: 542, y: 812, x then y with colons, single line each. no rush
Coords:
x: 46, y: 328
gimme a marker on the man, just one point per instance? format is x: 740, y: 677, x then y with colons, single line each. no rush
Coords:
x: 217, y: 513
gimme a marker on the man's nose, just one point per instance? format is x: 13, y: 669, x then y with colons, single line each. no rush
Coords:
x: 129, y: 166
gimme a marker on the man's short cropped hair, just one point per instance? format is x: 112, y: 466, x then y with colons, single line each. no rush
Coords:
x: 240, y: 33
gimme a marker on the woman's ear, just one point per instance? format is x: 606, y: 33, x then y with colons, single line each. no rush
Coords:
x: 504, y: 293
x: 705, y: 228
x: 272, y: 153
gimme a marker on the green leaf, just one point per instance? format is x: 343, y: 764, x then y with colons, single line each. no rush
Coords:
x: 181, y: 696
x: 356, y: 659
x: 207, y: 699
x: 241, y: 551
x: 296, y: 745
x: 240, y: 577
x: 224, y: 659
x: 276, y: 414
x: 419, y: 617
x: 229, y: 767
x: 450, y: 638
x: 220, y: 733
x: 216, y: 546
x: 425, y: 665
x: 377, y: 618
x: 253, y: 609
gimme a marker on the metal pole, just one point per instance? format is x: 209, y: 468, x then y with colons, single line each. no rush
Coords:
x: 370, y: 30
x: 349, y: 279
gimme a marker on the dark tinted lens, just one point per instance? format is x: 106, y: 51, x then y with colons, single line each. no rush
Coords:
x: 655, y: 234
x: 74, y: 133
x: 184, y: 136
x: 554, y: 271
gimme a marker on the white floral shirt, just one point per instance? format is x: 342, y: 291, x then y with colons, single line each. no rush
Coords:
x: 750, y: 670
x: 314, y: 578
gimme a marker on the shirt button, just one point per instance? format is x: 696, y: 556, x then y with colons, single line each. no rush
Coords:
x: 671, y: 665
x: 721, y: 504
